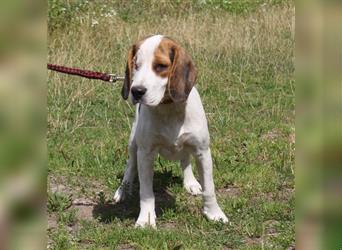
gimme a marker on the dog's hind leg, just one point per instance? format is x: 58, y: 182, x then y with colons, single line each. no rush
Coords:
x: 126, y: 186
x: 190, y: 183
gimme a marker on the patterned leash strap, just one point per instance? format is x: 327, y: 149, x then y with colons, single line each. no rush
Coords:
x: 85, y: 73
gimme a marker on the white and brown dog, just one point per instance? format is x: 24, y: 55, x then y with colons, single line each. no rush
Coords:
x: 169, y: 121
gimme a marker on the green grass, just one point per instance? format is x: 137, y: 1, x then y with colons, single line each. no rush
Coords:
x: 244, y: 56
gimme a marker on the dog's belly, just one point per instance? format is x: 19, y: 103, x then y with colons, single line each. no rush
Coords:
x: 173, y: 152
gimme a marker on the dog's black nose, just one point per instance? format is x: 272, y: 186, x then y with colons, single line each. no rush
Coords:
x: 138, y: 92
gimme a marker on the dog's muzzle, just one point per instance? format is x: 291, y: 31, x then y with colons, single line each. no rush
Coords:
x: 138, y: 92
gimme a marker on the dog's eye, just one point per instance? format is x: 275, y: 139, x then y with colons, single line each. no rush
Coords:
x: 159, y: 67
x: 136, y: 66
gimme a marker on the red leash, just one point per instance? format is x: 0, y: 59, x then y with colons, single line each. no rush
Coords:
x: 85, y: 73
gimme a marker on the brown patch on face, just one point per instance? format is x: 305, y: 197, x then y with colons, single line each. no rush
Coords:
x: 171, y: 60
x: 162, y: 63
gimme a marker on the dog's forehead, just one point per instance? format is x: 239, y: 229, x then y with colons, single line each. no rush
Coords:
x: 148, y: 46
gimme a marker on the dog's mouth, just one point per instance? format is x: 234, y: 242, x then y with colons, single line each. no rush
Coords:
x: 143, y: 101
x: 135, y: 101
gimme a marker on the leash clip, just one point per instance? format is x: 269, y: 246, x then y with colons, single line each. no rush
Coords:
x: 113, y: 78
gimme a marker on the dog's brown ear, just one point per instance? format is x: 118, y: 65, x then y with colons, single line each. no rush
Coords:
x: 183, y: 74
x: 128, y: 73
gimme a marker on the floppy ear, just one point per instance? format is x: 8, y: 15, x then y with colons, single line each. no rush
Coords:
x: 183, y: 75
x: 128, y: 73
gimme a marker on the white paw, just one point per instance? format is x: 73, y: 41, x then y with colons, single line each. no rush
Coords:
x: 193, y: 187
x: 146, y: 219
x: 215, y: 214
x: 119, y: 195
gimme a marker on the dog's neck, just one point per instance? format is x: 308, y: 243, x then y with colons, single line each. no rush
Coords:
x: 169, y: 109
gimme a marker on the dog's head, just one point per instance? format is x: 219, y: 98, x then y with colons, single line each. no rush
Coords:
x: 158, y: 71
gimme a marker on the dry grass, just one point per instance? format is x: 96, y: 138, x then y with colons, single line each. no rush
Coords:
x: 220, y: 34
x: 262, y: 38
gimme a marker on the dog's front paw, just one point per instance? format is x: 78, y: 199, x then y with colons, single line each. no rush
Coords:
x: 146, y: 219
x: 215, y: 213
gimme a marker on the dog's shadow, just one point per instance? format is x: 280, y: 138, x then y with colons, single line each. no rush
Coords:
x: 130, y: 207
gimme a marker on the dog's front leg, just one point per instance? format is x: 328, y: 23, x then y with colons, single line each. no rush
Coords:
x: 147, y: 215
x: 205, y: 168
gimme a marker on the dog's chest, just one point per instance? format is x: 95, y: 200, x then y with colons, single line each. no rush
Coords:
x: 172, y: 132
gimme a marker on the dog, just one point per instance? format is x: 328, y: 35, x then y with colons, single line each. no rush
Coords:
x: 170, y: 121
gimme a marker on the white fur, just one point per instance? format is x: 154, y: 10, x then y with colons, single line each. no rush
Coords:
x: 176, y: 131
x: 145, y: 76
